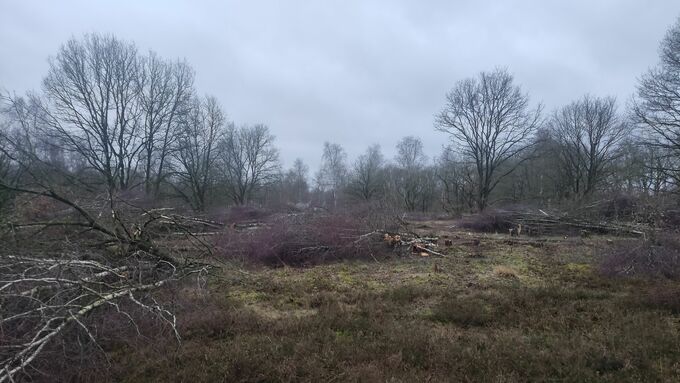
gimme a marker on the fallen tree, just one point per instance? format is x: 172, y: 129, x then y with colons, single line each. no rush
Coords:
x: 42, y: 295
x: 99, y: 253
x: 41, y: 298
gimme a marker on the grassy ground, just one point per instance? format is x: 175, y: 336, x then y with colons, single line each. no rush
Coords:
x: 496, y: 312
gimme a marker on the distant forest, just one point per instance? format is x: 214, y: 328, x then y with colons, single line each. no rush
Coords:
x: 111, y: 119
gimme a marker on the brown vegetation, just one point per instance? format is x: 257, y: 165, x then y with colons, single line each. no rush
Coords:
x: 398, y: 320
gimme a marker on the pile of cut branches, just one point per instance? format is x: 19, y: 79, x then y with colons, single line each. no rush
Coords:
x: 411, y: 242
x: 107, y: 261
x: 42, y: 298
x: 540, y: 222
x: 299, y: 240
x: 304, y: 239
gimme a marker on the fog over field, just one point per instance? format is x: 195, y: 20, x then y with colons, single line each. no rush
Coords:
x: 339, y: 70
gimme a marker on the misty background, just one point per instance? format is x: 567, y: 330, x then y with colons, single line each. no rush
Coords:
x: 354, y: 72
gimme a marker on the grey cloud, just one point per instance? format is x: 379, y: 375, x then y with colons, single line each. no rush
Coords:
x: 355, y: 72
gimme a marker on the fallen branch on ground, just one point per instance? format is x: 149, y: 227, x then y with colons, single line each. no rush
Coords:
x: 41, y: 298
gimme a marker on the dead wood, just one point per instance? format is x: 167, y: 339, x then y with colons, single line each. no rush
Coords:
x: 44, y: 294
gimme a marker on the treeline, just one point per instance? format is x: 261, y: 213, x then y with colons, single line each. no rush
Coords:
x: 111, y: 119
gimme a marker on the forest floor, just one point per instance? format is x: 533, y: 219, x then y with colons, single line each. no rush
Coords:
x: 492, y: 310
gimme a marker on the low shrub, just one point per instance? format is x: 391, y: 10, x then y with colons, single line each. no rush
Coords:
x: 487, y: 222
x: 407, y: 293
x: 620, y: 207
x: 662, y: 296
x: 656, y: 257
x: 30, y: 208
x: 303, y: 239
x: 464, y: 312
x: 245, y: 213
x: 417, y: 216
x: 671, y: 218
x: 505, y: 272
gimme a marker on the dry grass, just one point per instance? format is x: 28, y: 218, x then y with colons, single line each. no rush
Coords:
x: 504, y: 272
x: 515, y: 313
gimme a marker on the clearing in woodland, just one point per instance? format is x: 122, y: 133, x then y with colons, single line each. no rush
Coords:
x: 495, y: 308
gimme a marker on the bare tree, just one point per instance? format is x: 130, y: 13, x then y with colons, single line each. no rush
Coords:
x: 428, y: 188
x: 249, y: 161
x: 92, y: 106
x: 196, y: 153
x: 539, y: 175
x: 22, y: 138
x: 5, y: 160
x: 408, y: 175
x: 489, y: 120
x: 642, y: 168
x: 367, y: 179
x: 588, y: 132
x: 410, y: 153
x: 657, y: 106
x: 165, y: 92
x: 295, y: 181
x: 332, y: 175
x: 456, y: 177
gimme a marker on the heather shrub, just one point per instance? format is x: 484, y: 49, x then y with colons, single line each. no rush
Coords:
x: 31, y: 208
x: 662, y: 296
x: 303, y: 239
x: 655, y: 257
x: 463, y: 311
x: 486, y: 222
x: 75, y: 357
x: 620, y: 207
x: 419, y: 216
x: 671, y: 218
x: 245, y: 213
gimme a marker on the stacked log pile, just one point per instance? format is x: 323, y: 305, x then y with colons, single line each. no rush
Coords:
x: 542, y: 223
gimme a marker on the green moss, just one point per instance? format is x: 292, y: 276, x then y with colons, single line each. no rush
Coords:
x: 579, y: 267
x: 346, y: 278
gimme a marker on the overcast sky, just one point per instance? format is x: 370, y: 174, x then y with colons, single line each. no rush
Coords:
x: 355, y: 72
